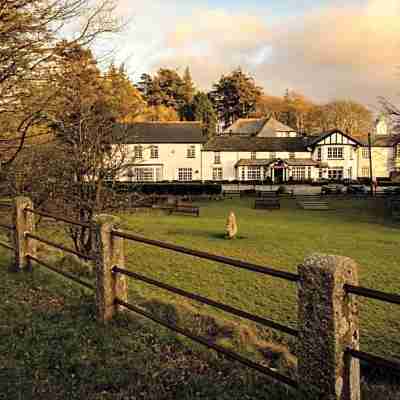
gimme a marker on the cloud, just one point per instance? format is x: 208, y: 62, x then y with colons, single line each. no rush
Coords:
x: 342, y: 50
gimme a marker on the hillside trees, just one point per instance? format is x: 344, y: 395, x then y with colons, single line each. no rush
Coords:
x: 235, y: 96
x: 82, y: 118
x: 29, y: 31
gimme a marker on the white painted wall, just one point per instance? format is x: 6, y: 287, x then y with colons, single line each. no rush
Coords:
x: 171, y: 156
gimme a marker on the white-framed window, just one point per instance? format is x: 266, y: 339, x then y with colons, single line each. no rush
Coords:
x: 243, y: 174
x: 292, y: 155
x: 154, y: 152
x: 217, y: 157
x: 144, y: 174
x: 253, y: 155
x: 365, y: 172
x: 335, y: 153
x: 138, y: 152
x: 365, y: 153
x: 185, y: 174
x: 217, y: 174
x: 299, y: 173
x: 319, y: 154
x: 320, y: 173
x: 335, y: 174
x: 254, y: 173
x: 191, y: 151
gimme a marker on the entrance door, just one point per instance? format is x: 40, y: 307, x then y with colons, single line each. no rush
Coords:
x: 278, y: 174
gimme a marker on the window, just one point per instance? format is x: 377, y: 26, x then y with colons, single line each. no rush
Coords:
x: 143, y: 174
x: 365, y: 172
x: 138, y: 150
x: 365, y: 153
x: 292, y: 155
x: 335, y: 153
x: 335, y: 174
x: 272, y: 155
x: 299, y: 173
x: 319, y: 154
x: 185, y: 174
x: 154, y: 152
x: 253, y: 155
x: 309, y: 172
x: 243, y: 174
x: 320, y: 173
x: 254, y: 173
x: 191, y: 152
x: 217, y: 174
x: 217, y: 157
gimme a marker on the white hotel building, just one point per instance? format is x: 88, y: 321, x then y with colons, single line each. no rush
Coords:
x: 254, y: 150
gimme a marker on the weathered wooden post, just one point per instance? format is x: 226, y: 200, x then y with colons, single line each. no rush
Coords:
x: 24, y: 222
x: 109, y: 252
x: 328, y: 324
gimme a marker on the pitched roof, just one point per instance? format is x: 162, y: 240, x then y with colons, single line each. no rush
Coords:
x: 242, y: 143
x: 385, y: 141
x: 254, y: 126
x: 161, y: 132
x: 291, y: 162
x: 313, y: 140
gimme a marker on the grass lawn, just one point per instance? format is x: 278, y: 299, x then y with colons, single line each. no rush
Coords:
x: 281, y: 239
x: 52, y: 347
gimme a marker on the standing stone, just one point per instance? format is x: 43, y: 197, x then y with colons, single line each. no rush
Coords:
x: 231, y: 226
x: 328, y: 324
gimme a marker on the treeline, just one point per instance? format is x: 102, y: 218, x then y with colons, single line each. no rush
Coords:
x: 170, y: 96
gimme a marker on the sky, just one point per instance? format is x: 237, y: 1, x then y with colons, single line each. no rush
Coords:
x: 325, y: 49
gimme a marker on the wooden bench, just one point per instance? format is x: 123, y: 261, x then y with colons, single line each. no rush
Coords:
x: 231, y: 193
x: 187, y: 209
x: 267, y: 203
x: 314, y: 205
x: 267, y: 193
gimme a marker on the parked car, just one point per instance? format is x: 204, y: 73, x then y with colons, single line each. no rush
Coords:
x: 392, y: 191
x: 358, y: 189
x: 332, y: 189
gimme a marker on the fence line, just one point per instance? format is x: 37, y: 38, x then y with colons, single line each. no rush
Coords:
x: 315, y: 278
x: 289, y: 276
x: 234, y: 356
x: 63, y: 273
x: 58, y: 246
x: 201, y: 299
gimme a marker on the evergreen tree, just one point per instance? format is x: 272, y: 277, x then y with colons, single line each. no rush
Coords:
x: 201, y: 109
x: 235, y: 96
x: 188, y: 87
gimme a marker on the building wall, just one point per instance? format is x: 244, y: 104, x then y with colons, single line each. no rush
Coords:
x: 171, y: 156
x: 382, y: 162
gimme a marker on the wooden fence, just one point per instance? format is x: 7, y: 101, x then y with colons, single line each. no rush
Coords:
x: 327, y: 328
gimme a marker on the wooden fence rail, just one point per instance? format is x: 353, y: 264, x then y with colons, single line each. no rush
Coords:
x: 327, y: 327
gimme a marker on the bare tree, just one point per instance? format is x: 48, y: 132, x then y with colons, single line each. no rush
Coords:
x: 29, y: 32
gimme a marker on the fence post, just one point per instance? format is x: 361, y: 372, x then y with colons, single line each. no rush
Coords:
x: 328, y: 324
x: 24, y: 222
x: 108, y: 252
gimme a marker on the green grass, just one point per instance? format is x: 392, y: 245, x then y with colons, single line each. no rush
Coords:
x: 51, y: 347
x: 281, y: 239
